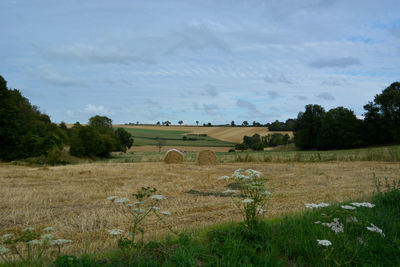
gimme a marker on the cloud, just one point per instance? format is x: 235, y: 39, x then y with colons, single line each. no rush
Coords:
x: 340, y: 62
x: 83, y: 53
x: 250, y: 107
x: 272, y: 94
x: 326, y: 96
x: 55, y: 78
x: 211, y: 90
x: 211, y: 109
x: 301, y: 97
x: 276, y: 79
x: 197, y: 38
x: 97, y: 110
x: 333, y: 82
x: 395, y: 32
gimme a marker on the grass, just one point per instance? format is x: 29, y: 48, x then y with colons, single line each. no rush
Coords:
x: 287, y: 241
x: 384, y: 154
x: 174, y: 138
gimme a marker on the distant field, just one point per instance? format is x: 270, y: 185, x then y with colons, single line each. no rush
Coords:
x: 172, y: 137
x: 225, y: 133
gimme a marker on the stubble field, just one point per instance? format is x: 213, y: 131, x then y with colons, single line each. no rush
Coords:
x: 72, y: 198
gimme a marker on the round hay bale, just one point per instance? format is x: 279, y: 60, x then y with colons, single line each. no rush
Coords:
x: 207, y: 157
x: 173, y: 156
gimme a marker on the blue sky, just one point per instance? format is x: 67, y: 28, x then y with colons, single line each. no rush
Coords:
x: 211, y: 61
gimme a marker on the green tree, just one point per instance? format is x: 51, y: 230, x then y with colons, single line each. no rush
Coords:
x: 180, y: 122
x: 125, y: 139
x: 308, y: 126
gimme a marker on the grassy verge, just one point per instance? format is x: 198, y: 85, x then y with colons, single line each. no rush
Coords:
x: 291, y: 240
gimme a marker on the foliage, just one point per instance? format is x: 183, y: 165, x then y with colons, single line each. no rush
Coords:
x: 24, y: 130
x: 288, y: 125
x: 253, y: 195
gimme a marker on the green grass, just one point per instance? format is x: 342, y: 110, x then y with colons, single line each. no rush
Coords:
x: 173, y: 138
x: 386, y: 154
x: 286, y: 241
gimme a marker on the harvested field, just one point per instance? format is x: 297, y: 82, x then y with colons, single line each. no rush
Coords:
x: 229, y: 134
x: 182, y: 148
x: 72, y: 198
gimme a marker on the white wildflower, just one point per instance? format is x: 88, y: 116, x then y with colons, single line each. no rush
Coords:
x: 158, y: 197
x: 138, y: 210
x: 155, y: 208
x: 28, y: 229
x: 253, y: 172
x: 167, y: 213
x: 315, y: 206
x: 223, y: 177
x: 7, y: 236
x: 351, y: 219
x: 137, y: 203
x: 229, y: 191
x: 374, y: 228
x: 247, y: 200
x: 129, y: 205
x: 325, y: 243
x: 35, y: 242
x: 239, y: 170
x: 59, y: 242
x: 115, y: 231
x: 111, y: 197
x: 261, y: 210
x: 47, y: 237
x: 317, y: 222
x: 266, y: 193
x: 49, y: 229
x: 336, y: 226
x: 363, y: 204
x: 362, y: 242
x: 122, y: 200
x: 3, y: 250
x: 347, y: 207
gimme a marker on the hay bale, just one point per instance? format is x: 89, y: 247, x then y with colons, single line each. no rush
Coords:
x: 207, y: 157
x: 173, y: 156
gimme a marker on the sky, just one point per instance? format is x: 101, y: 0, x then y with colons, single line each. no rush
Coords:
x: 207, y: 61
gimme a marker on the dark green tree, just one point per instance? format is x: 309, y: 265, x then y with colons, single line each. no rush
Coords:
x: 125, y: 139
x: 308, y: 126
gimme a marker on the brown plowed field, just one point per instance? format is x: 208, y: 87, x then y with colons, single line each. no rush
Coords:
x: 181, y: 148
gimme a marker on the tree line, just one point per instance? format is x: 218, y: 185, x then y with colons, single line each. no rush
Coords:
x: 26, y: 132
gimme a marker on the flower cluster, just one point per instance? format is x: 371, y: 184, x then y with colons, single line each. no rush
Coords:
x: 144, y: 205
x: 252, y: 193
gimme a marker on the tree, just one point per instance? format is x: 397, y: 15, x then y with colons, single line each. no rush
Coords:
x: 308, y: 126
x: 125, y: 139
x: 241, y: 147
x: 166, y: 123
x: 233, y: 124
x: 160, y: 143
x: 245, y: 123
x: 180, y: 122
x: 100, y: 122
x: 197, y: 123
x: 158, y: 123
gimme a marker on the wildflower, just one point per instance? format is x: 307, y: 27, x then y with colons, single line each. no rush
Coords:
x: 261, y: 210
x: 49, y: 229
x: 347, y: 207
x: 317, y: 222
x: 138, y: 210
x: 336, y: 226
x: 325, y: 243
x: 239, y: 170
x: 247, y: 200
x: 158, y: 197
x: 137, y: 203
x: 374, y: 228
x: 7, y: 236
x: 363, y: 204
x: 111, y: 198
x: 155, y: 208
x: 167, y: 213
x: 266, y: 193
x: 129, y: 205
x: 351, y: 219
x: 223, y: 177
x: 47, y: 237
x: 3, y: 250
x: 253, y: 172
x: 229, y: 191
x: 312, y: 205
x: 35, y: 242
x: 115, y: 231
x: 59, y: 242
x: 28, y: 229
x: 362, y: 242
x: 122, y: 200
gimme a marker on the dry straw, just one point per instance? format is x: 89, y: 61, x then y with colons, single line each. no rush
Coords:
x: 207, y: 157
x: 173, y: 156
